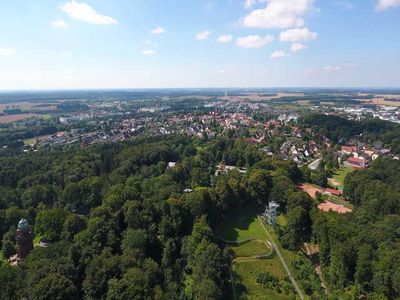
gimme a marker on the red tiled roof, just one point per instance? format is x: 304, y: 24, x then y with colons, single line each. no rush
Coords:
x: 356, y: 160
x: 347, y: 148
x: 333, y: 191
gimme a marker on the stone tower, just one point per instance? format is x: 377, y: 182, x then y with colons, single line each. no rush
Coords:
x: 24, y: 237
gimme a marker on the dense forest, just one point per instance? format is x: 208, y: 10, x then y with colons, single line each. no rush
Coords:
x: 120, y: 226
x: 118, y: 223
x: 360, y: 251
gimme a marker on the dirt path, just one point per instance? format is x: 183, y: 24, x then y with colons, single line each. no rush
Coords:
x: 255, y: 257
x: 317, y: 267
x: 246, y: 258
x: 296, y: 286
x: 334, y: 181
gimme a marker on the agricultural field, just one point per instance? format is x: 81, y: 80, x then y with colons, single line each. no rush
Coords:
x: 27, y: 106
x: 256, y: 269
x: 17, y: 117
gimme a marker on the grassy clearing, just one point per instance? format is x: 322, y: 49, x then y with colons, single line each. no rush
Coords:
x: 242, y: 226
x: 31, y: 141
x: 245, y: 275
x: 255, y: 247
x: 34, y: 139
x: 337, y: 180
x: 340, y: 201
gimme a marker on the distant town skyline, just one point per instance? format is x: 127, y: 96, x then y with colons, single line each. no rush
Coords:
x: 46, y: 44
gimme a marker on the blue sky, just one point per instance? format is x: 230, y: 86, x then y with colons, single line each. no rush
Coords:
x: 47, y: 44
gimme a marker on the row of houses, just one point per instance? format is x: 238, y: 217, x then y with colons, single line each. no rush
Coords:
x: 361, y: 156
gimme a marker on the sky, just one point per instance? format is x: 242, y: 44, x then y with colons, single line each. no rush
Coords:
x: 92, y: 44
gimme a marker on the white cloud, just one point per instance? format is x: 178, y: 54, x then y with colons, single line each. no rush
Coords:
x: 254, y: 41
x: 278, y: 14
x: 330, y: 69
x: 158, y: 30
x: 66, y: 54
x: 59, y: 24
x: 327, y: 69
x: 278, y: 54
x: 296, y: 47
x: 344, y: 5
x: 386, y: 4
x: 225, y: 38
x: 85, y: 13
x: 298, y: 35
x: 195, y: 64
x: 148, y: 52
x: 7, y: 51
x: 222, y: 71
x: 204, y: 35
x: 249, y: 3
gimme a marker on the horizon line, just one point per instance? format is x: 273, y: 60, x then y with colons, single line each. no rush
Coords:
x: 200, y: 88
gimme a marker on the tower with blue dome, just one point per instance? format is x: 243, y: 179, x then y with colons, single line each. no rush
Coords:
x: 24, y: 237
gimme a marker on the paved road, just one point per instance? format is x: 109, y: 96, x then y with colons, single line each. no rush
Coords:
x: 296, y: 286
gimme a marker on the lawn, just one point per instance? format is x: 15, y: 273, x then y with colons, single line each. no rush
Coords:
x: 30, y: 141
x: 255, y: 247
x: 246, y: 286
x: 243, y: 226
x: 340, y: 201
x: 33, y: 140
x: 337, y: 180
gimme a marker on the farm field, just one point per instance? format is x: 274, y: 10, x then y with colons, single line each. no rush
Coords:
x: 17, y: 117
x: 251, y: 240
x: 25, y: 105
